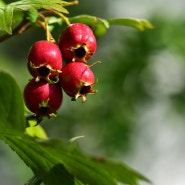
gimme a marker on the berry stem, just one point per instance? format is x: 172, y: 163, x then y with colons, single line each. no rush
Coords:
x: 75, y: 2
x: 44, y: 25
x: 94, y: 63
x: 66, y: 19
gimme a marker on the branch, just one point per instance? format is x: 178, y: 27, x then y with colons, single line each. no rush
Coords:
x: 23, y: 26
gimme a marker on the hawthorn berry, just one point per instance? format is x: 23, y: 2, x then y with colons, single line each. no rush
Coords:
x: 77, y: 42
x: 43, y: 98
x: 44, y: 60
x: 77, y: 80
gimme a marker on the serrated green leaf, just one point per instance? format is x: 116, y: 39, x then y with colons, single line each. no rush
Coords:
x: 99, y: 25
x: 62, y: 163
x: 120, y: 171
x: 44, y: 165
x: 11, y: 104
x: 75, y: 161
x: 140, y: 24
x: 78, y: 165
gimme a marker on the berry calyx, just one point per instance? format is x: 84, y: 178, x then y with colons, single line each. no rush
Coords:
x: 43, y: 98
x: 44, y: 60
x: 77, y: 42
x: 77, y: 80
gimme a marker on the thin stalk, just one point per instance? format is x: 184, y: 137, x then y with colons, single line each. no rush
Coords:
x: 71, y: 3
x: 44, y: 25
x: 66, y: 19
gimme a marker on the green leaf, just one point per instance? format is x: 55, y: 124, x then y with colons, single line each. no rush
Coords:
x: 78, y: 165
x: 2, y: 3
x: 120, y: 171
x: 11, y: 104
x: 6, y: 17
x: 99, y: 25
x: 35, y: 130
x: 28, y: 6
x: 32, y: 15
x: 44, y: 165
x: 93, y: 170
x: 54, y: 23
x: 36, y: 181
x: 140, y: 24
x: 58, y: 162
x: 57, y: 7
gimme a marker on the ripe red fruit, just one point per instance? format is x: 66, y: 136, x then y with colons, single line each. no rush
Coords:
x: 44, y: 60
x: 77, y: 80
x: 43, y: 98
x: 77, y: 42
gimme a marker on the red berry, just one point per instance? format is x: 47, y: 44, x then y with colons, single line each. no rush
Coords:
x: 44, y: 60
x: 42, y: 98
x: 77, y: 42
x: 77, y: 80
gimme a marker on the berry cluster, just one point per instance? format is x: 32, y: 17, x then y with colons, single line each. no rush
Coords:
x: 43, y: 94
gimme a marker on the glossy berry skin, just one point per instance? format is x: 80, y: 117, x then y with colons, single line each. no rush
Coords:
x: 44, y: 60
x: 43, y: 98
x: 77, y: 42
x: 77, y: 80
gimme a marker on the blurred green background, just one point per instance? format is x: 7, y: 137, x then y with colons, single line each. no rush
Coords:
x: 137, y: 116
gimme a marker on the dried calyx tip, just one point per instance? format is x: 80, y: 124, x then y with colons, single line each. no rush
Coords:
x: 84, y: 91
x: 80, y: 51
x: 44, y: 72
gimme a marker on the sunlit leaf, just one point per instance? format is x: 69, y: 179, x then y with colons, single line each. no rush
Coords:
x: 140, y: 24
x: 36, y: 131
x: 2, y: 3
